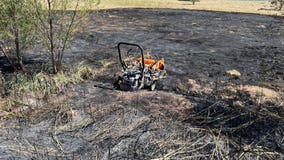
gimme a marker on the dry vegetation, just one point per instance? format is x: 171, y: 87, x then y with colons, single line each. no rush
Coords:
x: 243, y: 6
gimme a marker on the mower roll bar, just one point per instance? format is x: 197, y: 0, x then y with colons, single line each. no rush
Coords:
x: 130, y: 44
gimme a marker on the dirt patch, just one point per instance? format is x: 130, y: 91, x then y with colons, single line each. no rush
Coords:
x: 265, y: 94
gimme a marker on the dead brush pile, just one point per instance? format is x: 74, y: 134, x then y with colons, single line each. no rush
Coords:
x: 241, y: 128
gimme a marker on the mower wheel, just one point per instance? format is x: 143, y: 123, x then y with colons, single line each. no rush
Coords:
x: 116, y: 84
x: 153, y: 86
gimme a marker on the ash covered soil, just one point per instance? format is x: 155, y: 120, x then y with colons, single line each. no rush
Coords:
x: 222, y: 98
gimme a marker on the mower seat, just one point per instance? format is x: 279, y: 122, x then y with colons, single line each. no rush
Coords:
x: 155, y: 65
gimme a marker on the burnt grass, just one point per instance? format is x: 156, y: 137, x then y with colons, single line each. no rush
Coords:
x: 198, y: 112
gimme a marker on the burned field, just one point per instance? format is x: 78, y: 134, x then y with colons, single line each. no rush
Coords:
x: 222, y: 98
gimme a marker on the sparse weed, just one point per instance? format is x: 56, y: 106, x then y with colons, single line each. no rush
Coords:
x: 85, y: 72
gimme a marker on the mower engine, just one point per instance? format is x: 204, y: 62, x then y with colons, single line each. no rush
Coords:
x: 130, y: 80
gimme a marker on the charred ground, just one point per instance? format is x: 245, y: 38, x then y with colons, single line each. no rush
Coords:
x: 202, y: 110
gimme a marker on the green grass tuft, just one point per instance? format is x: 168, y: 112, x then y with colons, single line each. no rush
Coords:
x: 44, y: 83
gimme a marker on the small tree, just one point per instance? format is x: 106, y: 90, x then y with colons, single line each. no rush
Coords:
x: 57, y: 21
x: 278, y: 3
x: 193, y: 1
x: 16, y: 29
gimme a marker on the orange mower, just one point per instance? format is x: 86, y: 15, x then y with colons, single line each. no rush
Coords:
x: 138, y: 72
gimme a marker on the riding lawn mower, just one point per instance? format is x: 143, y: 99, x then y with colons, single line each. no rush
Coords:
x: 137, y: 71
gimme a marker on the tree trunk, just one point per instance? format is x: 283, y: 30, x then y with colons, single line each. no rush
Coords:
x: 51, y: 41
x: 17, y: 39
x: 18, y: 50
x: 54, y: 66
x: 59, y: 65
x: 2, y: 85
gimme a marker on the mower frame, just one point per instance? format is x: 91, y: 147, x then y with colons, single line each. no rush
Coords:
x: 136, y: 78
